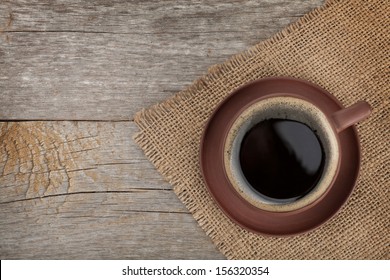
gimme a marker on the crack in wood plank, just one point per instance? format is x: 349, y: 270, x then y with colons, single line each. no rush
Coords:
x: 135, y: 190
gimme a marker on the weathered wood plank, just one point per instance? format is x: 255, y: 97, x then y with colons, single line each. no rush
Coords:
x: 107, y: 59
x: 85, y: 190
x: 147, y: 17
x: 50, y: 158
x: 135, y: 225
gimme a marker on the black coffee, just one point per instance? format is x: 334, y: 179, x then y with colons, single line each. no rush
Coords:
x: 282, y: 159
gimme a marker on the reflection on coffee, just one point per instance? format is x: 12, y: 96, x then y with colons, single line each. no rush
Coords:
x: 282, y: 159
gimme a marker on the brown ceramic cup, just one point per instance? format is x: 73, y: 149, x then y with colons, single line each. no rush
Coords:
x: 291, y: 99
x: 298, y: 109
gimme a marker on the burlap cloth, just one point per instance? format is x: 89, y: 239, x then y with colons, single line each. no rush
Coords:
x: 343, y: 47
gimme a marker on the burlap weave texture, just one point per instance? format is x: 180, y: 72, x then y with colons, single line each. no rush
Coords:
x: 344, y: 48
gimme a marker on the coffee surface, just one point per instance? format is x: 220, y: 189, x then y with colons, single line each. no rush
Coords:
x: 282, y: 159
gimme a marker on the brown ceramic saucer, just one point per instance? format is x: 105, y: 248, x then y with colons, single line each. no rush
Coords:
x: 234, y: 205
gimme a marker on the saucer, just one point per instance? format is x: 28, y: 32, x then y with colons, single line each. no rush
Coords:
x: 232, y: 203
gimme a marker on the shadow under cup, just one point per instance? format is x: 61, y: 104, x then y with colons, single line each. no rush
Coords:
x: 282, y: 108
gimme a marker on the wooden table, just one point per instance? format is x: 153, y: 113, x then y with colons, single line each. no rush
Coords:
x: 73, y: 184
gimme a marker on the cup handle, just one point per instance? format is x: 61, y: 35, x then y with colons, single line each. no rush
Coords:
x: 351, y: 115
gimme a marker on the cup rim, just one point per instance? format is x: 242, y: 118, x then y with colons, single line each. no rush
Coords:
x: 238, y: 209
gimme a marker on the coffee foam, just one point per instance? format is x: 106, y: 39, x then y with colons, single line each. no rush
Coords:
x: 282, y: 108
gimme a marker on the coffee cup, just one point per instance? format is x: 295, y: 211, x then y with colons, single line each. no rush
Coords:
x: 280, y: 156
x: 282, y: 152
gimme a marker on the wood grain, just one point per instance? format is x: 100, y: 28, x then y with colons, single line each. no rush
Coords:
x: 107, y: 59
x: 79, y: 187
x: 84, y: 190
